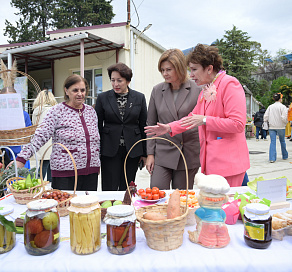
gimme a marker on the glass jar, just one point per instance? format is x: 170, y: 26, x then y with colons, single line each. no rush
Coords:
x: 7, y: 238
x: 121, y: 229
x: 84, y: 214
x: 257, y: 226
x: 41, y: 227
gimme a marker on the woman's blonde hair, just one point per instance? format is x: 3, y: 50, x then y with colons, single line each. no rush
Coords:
x: 177, y: 58
x: 44, y: 97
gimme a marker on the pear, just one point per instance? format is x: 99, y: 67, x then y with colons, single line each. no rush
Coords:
x: 117, y: 202
x: 106, y: 204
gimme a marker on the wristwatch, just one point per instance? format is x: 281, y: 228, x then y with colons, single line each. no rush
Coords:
x: 204, y: 120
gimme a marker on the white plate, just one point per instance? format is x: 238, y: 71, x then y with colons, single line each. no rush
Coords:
x: 153, y: 201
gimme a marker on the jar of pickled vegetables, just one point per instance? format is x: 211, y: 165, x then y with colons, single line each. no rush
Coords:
x: 7, y: 229
x: 84, y: 214
x: 41, y: 227
x: 121, y: 229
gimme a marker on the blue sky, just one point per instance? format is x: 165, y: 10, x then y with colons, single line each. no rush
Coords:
x: 183, y: 24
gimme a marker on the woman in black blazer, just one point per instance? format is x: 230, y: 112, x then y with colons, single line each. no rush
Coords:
x: 122, y: 115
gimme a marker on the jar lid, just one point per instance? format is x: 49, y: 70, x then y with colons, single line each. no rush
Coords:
x: 42, y: 204
x: 7, y: 209
x: 84, y: 201
x: 257, y: 208
x: 120, y: 210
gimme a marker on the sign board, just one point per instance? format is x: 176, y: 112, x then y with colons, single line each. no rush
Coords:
x: 11, y: 112
x: 274, y: 189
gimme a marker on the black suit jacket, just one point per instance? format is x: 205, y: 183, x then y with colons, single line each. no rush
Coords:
x: 111, y: 126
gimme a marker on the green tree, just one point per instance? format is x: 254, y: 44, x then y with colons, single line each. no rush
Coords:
x: 282, y: 85
x: 76, y: 13
x: 35, y: 19
x: 239, y: 55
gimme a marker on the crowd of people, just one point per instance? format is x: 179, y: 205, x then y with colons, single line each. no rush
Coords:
x: 203, y: 113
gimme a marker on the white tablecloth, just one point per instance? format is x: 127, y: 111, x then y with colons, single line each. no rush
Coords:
x: 237, y: 256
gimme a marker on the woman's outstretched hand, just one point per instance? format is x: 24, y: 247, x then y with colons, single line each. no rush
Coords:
x: 192, y: 121
x: 157, y: 130
x: 18, y: 164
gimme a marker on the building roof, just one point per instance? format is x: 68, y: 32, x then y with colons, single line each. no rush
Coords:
x: 40, y: 55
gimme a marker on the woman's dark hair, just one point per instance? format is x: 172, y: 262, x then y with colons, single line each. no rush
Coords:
x: 71, y: 80
x: 122, y: 69
x: 277, y: 96
x: 206, y: 55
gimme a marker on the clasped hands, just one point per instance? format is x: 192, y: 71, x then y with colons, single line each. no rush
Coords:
x: 189, y: 122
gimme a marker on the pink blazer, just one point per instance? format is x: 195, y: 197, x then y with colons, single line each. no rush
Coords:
x: 226, y: 118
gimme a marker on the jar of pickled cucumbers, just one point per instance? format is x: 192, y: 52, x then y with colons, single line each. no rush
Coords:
x: 84, y: 214
x: 121, y: 229
x: 7, y: 229
x: 41, y: 227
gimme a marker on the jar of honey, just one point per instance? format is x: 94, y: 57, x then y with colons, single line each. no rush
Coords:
x: 257, y: 225
x: 7, y: 234
x: 41, y: 227
x: 121, y: 229
x: 84, y: 214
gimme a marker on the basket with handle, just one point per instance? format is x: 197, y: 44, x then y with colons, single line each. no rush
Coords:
x: 167, y: 234
x: 23, y: 196
x: 19, y: 136
x: 63, y: 205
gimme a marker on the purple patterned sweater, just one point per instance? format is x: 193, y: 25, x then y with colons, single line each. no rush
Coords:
x: 78, y: 133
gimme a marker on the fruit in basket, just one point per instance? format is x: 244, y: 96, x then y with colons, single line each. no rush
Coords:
x: 35, y: 226
x: 50, y: 221
x: 117, y: 202
x: 173, y: 207
x: 106, y: 204
x: 57, y: 195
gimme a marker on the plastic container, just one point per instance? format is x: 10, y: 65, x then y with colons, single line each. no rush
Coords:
x: 7, y: 238
x: 41, y: 227
x: 257, y: 225
x: 121, y: 229
x: 84, y: 214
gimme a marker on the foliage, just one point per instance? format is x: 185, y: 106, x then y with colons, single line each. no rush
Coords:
x: 282, y: 85
x: 37, y: 17
x: 76, y: 13
x: 239, y: 55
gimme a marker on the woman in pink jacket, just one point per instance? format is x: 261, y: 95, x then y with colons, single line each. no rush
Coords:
x: 220, y: 114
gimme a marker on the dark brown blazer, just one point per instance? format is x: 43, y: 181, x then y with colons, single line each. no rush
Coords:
x: 162, y: 109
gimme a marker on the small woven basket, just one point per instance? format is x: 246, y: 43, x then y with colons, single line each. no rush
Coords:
x: 62, y: 206
x: 163, y: 235
x: 23, y: 196
x: 19, y: 136
x: 104, y: 210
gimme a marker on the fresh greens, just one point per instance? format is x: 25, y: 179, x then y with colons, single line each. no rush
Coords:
x: 8, y: 225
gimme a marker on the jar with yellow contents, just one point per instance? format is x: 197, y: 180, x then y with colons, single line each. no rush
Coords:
x: 84, y: 214
x: 7, y: 229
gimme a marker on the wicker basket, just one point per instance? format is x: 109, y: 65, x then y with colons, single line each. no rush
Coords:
x: 104, y: 210
x: 62, y: 206
x: 23, y: 196
x: 23, y: 135
x: 163, y: 235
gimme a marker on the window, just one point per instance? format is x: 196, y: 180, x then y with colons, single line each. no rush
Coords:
x: 94, y: 79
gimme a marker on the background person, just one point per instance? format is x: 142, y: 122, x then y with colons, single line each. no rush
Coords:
x: 220, y: 115
x: 171, y: 100
x: 276, y: 115
x: 43, y: 102
x: 258, y: 122
x: 73, y: 124
x: 122, y: 114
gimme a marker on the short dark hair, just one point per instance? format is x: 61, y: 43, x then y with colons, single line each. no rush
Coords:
x: 71, y: 80
x: 122, y: 69
x: 206, y: 55
x: 277, y: 96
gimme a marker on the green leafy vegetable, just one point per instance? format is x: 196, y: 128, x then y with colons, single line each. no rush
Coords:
x: 9, y: 225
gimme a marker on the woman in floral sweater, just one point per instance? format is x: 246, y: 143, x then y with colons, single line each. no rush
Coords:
x: 73, y: 124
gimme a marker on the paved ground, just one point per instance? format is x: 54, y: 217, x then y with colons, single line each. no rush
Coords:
x: 259, y: 161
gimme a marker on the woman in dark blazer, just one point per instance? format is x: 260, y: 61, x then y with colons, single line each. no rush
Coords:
x: 122, y: 114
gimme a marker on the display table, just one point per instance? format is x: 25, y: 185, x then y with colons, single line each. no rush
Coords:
x: 237, y: 256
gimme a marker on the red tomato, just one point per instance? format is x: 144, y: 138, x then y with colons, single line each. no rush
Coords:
x: 161, y: 194
x: 148, y: 197
x: 143, y: 195
x: 155, y: 196
x: 155, y: 188
x: 155, y: 191
x: 148, y: 191
x: 141, y: 191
